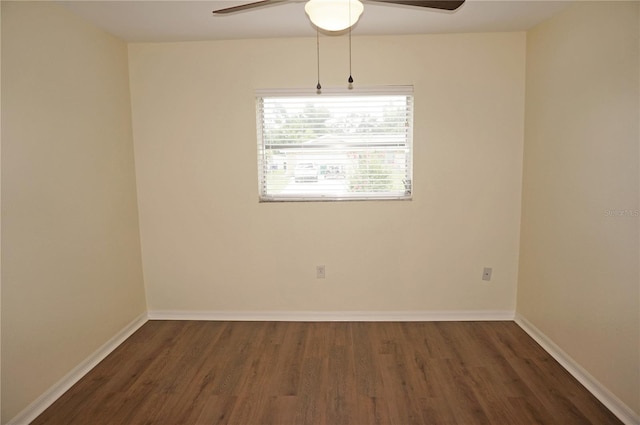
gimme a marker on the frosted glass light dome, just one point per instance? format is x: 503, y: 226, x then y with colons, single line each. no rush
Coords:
x: 334, y: 15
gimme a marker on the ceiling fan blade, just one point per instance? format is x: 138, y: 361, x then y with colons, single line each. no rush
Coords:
x: 247, y: 6
x: 433, y: 4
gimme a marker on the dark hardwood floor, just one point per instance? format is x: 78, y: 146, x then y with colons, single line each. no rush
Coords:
x: 184, y: 372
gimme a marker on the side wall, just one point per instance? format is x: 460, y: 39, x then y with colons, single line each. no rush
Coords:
x: 579, y: 280
x: 209, y: 246
x: 71, y: 267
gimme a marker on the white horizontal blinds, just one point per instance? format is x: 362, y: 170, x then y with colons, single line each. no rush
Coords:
x: 335, y: 146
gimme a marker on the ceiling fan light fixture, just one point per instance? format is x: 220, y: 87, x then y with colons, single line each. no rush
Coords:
x: 334, y: 15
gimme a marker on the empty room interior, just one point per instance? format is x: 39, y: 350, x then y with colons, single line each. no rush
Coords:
x: 133, y: 187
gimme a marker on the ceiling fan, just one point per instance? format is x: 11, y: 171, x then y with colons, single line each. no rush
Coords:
x: 337, y: 15
x: 431, y: 4
x: 330, y: 14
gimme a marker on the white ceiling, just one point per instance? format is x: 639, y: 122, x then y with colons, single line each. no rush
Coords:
x: 185, y: 20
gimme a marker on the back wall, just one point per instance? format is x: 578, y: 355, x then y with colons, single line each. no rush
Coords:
x: 208, y: 245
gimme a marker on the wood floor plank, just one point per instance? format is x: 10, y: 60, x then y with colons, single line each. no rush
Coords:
x: 216, y: 410
x: 258, y: 379
x: 458, y: 390
x: 554, y: 399
x: 368, y: 380
x: 328, y: 373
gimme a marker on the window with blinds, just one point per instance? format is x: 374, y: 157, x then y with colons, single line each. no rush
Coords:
x: 339, y: 145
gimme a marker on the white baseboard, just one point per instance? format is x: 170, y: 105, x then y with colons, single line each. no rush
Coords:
x: 52, y: 394
x: 334, y: 316
x: 606, y: 397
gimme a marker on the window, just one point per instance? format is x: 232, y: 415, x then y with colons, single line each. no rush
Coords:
x: 340, y: 145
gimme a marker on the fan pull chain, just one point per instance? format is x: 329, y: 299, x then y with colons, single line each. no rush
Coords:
x: 350, y: 80
x: 318, y: 87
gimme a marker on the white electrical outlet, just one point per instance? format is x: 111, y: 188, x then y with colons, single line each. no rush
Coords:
x: 486, y: 274
x: 320, y: 272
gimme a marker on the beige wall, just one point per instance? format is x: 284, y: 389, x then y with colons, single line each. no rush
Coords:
x: 579, y: 254
x: 71, y: 275
x: 208, y: 245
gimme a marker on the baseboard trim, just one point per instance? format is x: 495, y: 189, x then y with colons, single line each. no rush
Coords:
x: 32, y: 411
x: 606, y: 397
x: 334, y: 316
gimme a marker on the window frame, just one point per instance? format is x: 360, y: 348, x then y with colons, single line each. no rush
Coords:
x: 407, y: 144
